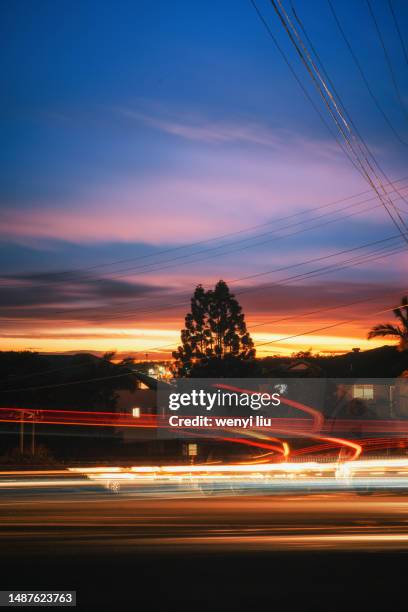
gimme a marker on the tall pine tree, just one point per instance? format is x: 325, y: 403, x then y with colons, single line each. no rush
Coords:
x: 215, y: 340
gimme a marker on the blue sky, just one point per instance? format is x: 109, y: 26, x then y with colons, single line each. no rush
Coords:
x: 133, y: 127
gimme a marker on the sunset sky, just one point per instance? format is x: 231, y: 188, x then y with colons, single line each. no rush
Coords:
x: 136, y: 135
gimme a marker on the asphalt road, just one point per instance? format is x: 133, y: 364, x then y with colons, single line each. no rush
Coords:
x: 105, y: 521
x: 225, y: 553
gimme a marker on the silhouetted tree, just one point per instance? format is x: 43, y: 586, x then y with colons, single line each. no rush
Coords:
x: 215, y: 340
x: 304, y: 354
x: 399, y: 332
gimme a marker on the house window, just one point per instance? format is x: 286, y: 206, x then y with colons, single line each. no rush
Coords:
x: 364, y: 392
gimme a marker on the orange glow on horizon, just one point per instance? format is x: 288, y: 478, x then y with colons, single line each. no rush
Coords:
x: 158, y: 342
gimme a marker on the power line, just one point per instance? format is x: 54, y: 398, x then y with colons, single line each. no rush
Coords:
x: 299, y: 82
x: 103, y: 378
x: 318, y: 329
x: 219, y: 237
x: 367, y: 149
x: 349, y: 118
x: 222, y: 236
x: 319, y: 311
x: 314, y: 260
x: 333, y: 106
x: 67, y: 384
x: 149, y: 268
x: 361, y: 154
x: 302, y: 276
x: 363, y: 75
x: 365, y: 171
x: 387, y: 59
x: 78, y: 311
x: 219, y: 247
x: 333, y: 267
x: 250, y: 327
x: 377, y: 254
x: 404, y: 49
x: 288, y: 318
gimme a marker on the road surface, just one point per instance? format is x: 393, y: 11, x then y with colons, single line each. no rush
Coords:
x: 101, y: 522
x: 306, y: 552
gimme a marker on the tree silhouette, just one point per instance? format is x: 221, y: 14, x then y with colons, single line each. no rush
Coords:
x: 399, y: 332
x: 215, y: 338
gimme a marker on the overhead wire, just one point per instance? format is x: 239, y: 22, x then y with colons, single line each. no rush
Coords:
x: 350, y: 119
x: 360, y: 154
x: 387, y: 60
x: 363, y: 75
x: 91, y: 309
x: 102, y: 378
x: 394, y: 17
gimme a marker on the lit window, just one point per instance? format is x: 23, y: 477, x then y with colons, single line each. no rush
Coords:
x: 192, y: 450
x: 364, y: 392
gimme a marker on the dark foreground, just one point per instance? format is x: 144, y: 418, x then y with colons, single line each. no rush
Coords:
x: 316, y: 552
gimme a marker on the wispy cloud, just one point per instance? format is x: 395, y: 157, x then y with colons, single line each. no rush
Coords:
x: 203, y: 193
x: 48, y: 295
x: 131, y: 334
x: 196, y: 192
x: 199, y: 128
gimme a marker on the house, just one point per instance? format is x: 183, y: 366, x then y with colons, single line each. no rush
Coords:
x: 302, y: 368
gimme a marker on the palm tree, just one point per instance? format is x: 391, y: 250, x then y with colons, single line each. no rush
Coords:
x: 399, y: 332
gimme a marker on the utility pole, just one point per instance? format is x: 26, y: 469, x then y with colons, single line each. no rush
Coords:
x: 33, y: 437
x: 22, y: 433
x: 32, y: 415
